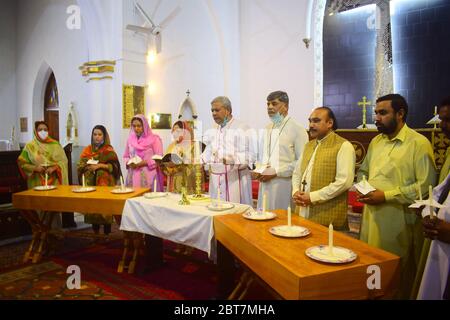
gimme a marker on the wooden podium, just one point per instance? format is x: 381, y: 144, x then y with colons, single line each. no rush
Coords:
x: 360, y: 139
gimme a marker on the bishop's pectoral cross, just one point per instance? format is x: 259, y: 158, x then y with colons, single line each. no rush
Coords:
x: 364, y: 103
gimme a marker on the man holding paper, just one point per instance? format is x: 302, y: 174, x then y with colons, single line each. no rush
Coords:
x: 282, y: 144
x: 324, y: 173
x: 398, y: 160
x: 227, y: 155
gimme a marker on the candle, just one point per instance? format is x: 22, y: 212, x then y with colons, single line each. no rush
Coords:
x: 84, y: 181
x: 264, y: 202
x: 435, y: 110
x: 330, y: 239
x: 289, y: 217
x: 122, y: 184
x: 430, y: 192
x: 419, y: 191
x: 198, y: 151
x: 308, y: 19
x: 46, y: 179
x: 218, y: 195
x: 154, y: 185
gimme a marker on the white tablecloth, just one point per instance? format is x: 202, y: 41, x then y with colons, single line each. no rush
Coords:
x: 164, y: 218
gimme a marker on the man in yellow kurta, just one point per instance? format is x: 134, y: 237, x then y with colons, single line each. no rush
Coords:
x: 397, y: 162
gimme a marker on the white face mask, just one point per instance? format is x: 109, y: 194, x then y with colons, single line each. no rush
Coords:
x: 43, y: 134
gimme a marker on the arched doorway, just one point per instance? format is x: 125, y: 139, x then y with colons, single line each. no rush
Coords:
x: 51, y: 107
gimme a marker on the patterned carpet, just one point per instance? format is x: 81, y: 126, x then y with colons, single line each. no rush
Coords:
x: 183, y: 277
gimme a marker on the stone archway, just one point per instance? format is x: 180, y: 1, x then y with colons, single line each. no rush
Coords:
x: 40, y: 84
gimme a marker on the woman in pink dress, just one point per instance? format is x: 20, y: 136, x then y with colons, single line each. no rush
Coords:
x: 141, y: 146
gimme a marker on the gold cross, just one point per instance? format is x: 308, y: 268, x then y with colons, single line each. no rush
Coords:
x: 364, y: 103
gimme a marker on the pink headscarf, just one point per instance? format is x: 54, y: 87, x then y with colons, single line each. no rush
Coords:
x: 147, y: 138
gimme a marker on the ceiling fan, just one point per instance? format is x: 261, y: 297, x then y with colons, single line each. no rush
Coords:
x: 154, y: 29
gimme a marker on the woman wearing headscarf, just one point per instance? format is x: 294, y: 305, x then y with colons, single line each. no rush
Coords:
x: 142, y: 143
x: 183, y: 147
x: 105, y: 173
x: 40, y: 156
x: 43, y: 155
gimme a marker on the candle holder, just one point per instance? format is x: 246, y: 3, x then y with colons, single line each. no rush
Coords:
x: 198, y: 195
x: 184, y: 199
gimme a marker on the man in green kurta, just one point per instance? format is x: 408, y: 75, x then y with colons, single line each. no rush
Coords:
x: 398, y: 161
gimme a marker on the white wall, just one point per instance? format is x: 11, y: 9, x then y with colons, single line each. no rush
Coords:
x: 273, y: 57
x: 200, y: 52
x: 7, y: 69
x: 43, y: 41
x: 242, y: 49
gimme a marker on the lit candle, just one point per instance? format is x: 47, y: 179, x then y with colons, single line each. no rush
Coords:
x: 308, y: 19
x: 264, y: 202
x: 218, y: 195
x: 46, y: 179
x: 430, y: 192
x: 154, y: 185
x: 435, y: 110
x: 84, y: 181
x: 289, y: 217
x: 330, y: 239
x: 198, y: 151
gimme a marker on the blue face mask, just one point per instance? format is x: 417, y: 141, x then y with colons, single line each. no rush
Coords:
x: 224, y: 123
x: 277, y: 118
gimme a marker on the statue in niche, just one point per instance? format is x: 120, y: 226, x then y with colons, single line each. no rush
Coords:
x: 72, y: 127
x: 189, y: 103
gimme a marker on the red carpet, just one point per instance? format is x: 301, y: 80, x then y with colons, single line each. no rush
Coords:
x: 182, y: 277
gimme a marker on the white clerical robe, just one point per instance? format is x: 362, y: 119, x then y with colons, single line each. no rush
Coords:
x: 345, y: 174
x: 436, y: 273
x: 232, y: 143
x: 280, y: 149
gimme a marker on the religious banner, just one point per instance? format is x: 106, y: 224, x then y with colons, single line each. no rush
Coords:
x: 133, y: 103
x: 24, y: 124
x: 161, y: 121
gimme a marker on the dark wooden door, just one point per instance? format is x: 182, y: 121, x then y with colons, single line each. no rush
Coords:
x: 51, y: 107
x: 52, y: 118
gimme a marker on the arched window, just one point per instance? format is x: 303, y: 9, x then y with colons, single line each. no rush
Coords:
x: 51, y: 107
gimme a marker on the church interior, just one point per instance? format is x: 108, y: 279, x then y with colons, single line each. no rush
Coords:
x: 74, y: 65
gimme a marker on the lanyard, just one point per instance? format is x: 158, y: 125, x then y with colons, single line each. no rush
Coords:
x: 216, y: 152
x: 269, y: 147
x: 308, y: 168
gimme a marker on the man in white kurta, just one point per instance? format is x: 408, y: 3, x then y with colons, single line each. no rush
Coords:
x: 281, y: 146
x: 435, y: 283
x: 227, y: 155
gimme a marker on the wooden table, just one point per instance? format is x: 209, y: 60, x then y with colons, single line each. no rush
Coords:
x: 62, y: 199
x: 282, y: 264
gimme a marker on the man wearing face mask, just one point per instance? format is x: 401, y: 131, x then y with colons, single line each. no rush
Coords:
x: 398, y: 162
x: 282, y: 145
x: 228, y: 154
x: 324, y: 173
